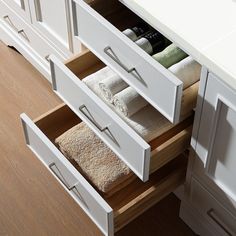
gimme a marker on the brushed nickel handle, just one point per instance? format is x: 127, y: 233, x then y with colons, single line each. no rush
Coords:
x: 108, y: 50
x: 9, y: 22
x: 211, y: 213
x: 19, y: 31
x: 22, y: 32
x: 60, y: 177
x: 81, y: 108
x: 64, y: 182
x: 47, y: 57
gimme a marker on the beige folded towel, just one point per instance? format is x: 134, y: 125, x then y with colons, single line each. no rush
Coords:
x: 128, y: 102
x: 97, y: 162
x: 187, y: 70
x: 147, y: 122
x: 111, y: 85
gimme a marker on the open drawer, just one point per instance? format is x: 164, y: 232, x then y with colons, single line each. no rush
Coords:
x: 108, y: 125
x: 108, y: 213
x: 99, y: 26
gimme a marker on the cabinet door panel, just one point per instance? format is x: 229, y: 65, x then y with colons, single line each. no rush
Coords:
x: 21, y: 7
x: 221, y: 161
x: 216, y: 145
x: 52, y: 19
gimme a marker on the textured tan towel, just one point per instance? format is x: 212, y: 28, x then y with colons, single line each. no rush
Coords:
x: 100, y: 165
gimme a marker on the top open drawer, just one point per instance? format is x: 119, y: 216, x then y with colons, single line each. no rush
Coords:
x: 99, y: 25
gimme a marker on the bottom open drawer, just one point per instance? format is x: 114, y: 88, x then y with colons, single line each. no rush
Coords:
x: 109, y: 213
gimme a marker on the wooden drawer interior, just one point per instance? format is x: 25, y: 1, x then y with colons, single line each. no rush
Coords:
x: 170, y: 142
x: 137, y: 196
x: 116, y: 13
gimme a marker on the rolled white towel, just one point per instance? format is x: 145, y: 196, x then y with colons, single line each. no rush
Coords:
x: 94, y: 79
x: 128, y: 102
x: 111, y: 85
x: 187, y: 70
x: 147, y: 122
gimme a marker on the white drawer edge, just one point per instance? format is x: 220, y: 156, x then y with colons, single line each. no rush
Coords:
x: 144, y: 174
x: 26, y: 121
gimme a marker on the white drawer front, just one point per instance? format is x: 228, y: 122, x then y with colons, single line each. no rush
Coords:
x: 123, y: 140
x: 72, y: 181
x: 212, y: 209
x: 155, y: 83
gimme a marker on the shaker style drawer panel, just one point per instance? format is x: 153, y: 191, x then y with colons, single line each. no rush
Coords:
x: 109, y: 212
x: 98, y: 26
x: 204, y: 201
x: 142, y: 157
x: 52, y: 19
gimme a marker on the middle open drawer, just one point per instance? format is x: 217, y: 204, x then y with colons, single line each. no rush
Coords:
x: 143, y: 158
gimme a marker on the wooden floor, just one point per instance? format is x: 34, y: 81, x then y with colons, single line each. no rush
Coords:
x: 31, y: 201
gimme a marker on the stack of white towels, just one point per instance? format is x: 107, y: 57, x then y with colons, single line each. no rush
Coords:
x: 132, y: 107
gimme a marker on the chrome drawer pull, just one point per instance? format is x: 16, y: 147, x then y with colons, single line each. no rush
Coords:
x: 108, y: 50
x: 81, y: 108
x: 211, y: 213
x: 64, y: 182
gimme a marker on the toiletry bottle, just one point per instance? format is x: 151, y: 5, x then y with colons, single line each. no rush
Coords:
x: 136, y: 31
x: 152, y: 42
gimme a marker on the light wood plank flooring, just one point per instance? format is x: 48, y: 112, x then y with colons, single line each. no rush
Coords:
x: 31, y: 201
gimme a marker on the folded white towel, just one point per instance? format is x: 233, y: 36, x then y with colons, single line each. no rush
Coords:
x: 147, y: 122
x: 187, y: 70
x: 111, y: 85
x: 128, y: 102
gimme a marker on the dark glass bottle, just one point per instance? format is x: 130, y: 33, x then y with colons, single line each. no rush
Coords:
x: 152, y: 42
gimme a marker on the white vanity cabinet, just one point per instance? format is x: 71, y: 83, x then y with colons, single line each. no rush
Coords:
x: 213, y: 161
